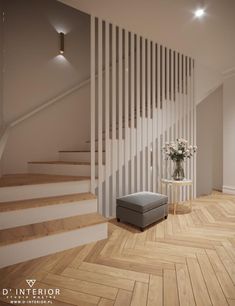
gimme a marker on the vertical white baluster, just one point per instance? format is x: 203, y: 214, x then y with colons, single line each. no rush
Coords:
x: 171, y: 108
x: 107, y: 121
x: 143, y: 114
x: 194, y: 132
x: 177, y: 89
x: 159, y: 117
x: 191, y: 118
x: 180, y: 97
x: 127, y: 143
x: 100, y: 116
x: 92, y: 42
x: 120, y: 110
x: 183, y: 96
x: 114, y: 125
x: 132, y: 92
x: 138, y: 120
x: 154, y: 115
x: 172, y: 102
x: 166, y: 118
x: 183, y: 114
x: 187, y: 116
x: 163, y: 111
x: 148, y: 116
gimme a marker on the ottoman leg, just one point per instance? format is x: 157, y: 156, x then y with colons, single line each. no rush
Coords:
x: 166, y: 217
x: 118, y: 220
x: 142, y: 229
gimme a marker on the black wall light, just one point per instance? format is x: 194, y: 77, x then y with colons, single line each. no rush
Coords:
x: 61, y: 35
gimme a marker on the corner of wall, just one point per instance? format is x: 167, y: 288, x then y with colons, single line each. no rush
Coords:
x: 207, y: 81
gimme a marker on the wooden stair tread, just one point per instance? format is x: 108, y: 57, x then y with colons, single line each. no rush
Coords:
x: 78, y: 151
x: 39, y: 230
x: 59, y: 163
x: 32, y: 203
x: 35, y: 179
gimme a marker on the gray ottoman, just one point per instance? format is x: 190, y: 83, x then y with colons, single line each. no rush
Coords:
x: 142, y: 208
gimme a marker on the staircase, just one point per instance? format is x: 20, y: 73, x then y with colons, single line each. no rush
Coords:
x: 48, y: 210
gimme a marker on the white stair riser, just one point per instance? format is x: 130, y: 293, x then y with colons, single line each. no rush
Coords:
x: 41, y: 214
x: 17, y: 193
x: 61, y: 169
x: 27, y: 250
x: 78, y: 156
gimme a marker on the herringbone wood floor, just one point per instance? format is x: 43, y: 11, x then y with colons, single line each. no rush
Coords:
x: 188, y: 259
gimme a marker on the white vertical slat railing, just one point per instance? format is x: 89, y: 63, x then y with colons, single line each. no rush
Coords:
x: 107, y: 119
x: 114, y: 118
x: 148, y: 115
x: 194, y: 132
x: 120, y: 111
x: 142, y: 95
x: 126, y: 115
x: 138, y: 118
x: 100, y: 114
x: 159, y: 124
x: 132, y: 111
x: 154, y: 120
x: 143, y: 113
x: 93, y: 102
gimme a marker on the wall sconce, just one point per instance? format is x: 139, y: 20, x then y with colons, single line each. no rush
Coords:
x: 61, y: 35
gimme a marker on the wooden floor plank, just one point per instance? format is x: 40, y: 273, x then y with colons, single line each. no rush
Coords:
x: 140, y: 294
x: 213, y: 286
x: 171, y: 297
x: 155, y: 293
x: 198, y: 284
x: 227, y: 261
x: 81, y: 286
x: 105, y: 302
x: 121, y: 273
x: 116, y: 282
x: 222, y: 274
x: 184, y: 286
x: 123, y: 298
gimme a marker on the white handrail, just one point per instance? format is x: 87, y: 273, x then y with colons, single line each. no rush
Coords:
x: 6, y: 131
x: 48, y: 103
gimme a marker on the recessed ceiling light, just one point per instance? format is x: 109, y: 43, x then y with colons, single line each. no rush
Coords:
x: 199, y: 13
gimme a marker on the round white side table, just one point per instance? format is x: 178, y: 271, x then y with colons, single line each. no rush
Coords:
x: 176, y: 186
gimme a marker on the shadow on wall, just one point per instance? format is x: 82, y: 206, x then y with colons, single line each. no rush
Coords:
x: 36, y: 73
x: 210, y: 143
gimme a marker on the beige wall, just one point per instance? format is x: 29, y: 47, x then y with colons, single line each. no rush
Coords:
x: 35, y: 72
x: 1, y: 64
x: 207, y: 81
x: 229, y: 135
x: 210, y: 143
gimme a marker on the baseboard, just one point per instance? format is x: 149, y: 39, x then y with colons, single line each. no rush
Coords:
x: 229, y: 189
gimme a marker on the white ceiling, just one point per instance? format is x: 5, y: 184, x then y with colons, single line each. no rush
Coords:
x: 210, y: 40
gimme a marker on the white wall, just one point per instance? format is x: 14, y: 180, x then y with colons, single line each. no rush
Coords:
x: 207, y: 81
x: 210, y: 143
x: 229, y: 135
x: 35, y: 72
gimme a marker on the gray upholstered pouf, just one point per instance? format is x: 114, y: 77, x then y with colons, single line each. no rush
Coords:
x: 142, y: 208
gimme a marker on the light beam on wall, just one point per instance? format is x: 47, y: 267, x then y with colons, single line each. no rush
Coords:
x: 61, y: 37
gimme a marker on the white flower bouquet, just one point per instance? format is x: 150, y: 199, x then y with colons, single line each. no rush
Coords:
x: 179, y: 150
